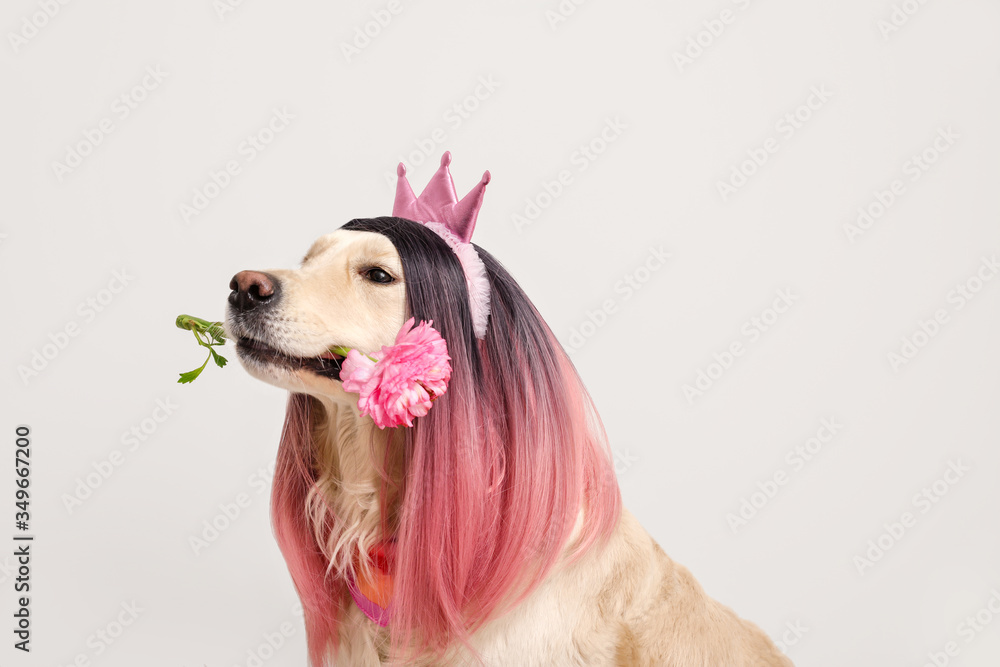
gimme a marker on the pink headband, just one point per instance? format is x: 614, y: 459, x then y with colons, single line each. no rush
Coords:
x: 439, y: 209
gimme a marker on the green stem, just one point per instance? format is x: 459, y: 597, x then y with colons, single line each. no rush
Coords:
x: 342, y: 351
x: 213, y: 329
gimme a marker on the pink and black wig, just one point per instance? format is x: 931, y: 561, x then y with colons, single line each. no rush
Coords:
x: 495, y: 475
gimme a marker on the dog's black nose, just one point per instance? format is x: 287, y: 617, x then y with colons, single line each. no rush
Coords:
x: 251, y: 289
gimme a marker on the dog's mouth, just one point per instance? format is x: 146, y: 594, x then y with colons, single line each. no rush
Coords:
x: 326, y: 365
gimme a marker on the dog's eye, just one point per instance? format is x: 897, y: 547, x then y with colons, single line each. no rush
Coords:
x: 377, y: 275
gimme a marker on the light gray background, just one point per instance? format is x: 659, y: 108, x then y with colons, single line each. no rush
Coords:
x: 683, y: 465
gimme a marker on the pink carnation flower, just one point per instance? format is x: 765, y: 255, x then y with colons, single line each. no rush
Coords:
x: 399, y: 382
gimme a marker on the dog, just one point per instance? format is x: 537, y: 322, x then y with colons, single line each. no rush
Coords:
x: 492, y: 531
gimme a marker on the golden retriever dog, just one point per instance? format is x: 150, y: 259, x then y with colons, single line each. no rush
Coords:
x: 490, y: 531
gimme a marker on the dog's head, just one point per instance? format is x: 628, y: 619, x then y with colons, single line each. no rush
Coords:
x: 349, y: 291
x: 496, y: 474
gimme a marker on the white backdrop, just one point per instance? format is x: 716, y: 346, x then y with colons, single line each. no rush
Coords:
x: 767, y: 230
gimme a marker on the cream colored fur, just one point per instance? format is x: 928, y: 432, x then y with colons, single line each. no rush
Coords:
x: 625, y: 603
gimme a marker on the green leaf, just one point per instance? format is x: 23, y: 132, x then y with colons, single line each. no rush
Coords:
x: 220, y: 360
x: 191, y: 375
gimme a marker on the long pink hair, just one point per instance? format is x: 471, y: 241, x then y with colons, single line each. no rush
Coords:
x: 496, y: 473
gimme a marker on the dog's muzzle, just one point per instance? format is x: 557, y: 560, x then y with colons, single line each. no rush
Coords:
x: 252, y: 300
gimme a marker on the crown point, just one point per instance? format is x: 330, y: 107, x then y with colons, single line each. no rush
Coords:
x: 401, y: 170
x: 486, y: 177
x: 446, y: 159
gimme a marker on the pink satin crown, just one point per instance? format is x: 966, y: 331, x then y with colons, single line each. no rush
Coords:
x: 439, y: 202
x: 440, y: 210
